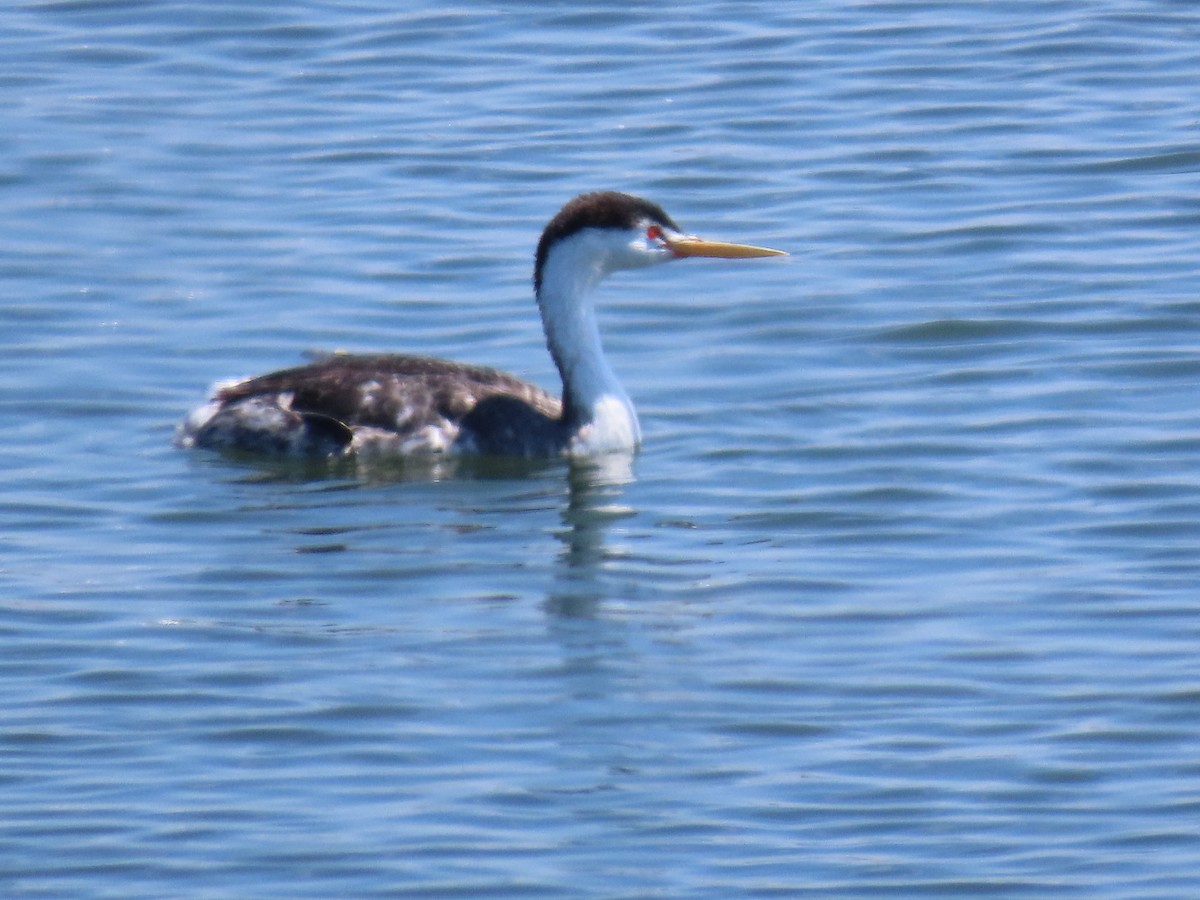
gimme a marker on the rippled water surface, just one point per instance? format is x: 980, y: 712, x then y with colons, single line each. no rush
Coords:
x: 901, y: 597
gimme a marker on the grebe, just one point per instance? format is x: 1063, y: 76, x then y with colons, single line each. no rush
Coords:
x: 344, y: 404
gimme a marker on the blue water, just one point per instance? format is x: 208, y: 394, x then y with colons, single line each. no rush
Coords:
x: 901, y: 597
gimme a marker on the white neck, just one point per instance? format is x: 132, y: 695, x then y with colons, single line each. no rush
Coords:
x: 596, y: 406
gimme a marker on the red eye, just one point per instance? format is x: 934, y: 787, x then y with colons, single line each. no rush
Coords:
x: 654, y: 233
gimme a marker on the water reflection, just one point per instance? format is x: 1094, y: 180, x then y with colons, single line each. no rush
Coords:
x: 593, y: 500
x: 595, y: 492
x: 381, y: 469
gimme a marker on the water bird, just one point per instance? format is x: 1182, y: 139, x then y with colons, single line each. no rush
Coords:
x: 401, y: 405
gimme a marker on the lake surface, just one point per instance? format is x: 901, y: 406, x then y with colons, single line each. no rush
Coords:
x: 900, y: 598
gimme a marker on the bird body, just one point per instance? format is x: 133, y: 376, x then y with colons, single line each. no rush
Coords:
x: 405, y: 405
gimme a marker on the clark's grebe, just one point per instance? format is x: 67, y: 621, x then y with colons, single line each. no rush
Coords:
x: 409, y: 404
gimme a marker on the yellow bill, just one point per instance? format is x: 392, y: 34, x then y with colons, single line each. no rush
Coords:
x: 694, y: 246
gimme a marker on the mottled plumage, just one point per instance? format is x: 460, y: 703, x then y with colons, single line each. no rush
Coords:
x: 383, y: 403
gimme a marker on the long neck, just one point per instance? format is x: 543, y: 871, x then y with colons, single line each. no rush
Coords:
x: 596, y: 409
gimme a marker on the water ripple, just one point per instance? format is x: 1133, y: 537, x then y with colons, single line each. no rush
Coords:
x: 898, y: 598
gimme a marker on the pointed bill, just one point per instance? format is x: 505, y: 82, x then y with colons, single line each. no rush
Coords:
x: 688, y: 245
